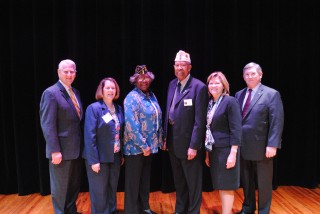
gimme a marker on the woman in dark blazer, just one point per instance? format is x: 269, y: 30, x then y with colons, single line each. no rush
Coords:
x: 104, y: 122
x: 223, y: 136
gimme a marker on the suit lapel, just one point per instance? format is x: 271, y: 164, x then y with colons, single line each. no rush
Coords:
x: 185, y: 90
x: 242, y: 96
x: 171, y: 89
x: 255, y: 99
x: 104, y: 108
x: 218, y: 109
x: 66, y: 96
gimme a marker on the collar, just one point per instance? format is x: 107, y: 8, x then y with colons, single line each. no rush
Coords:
x: 184, y: 82
x: 66, y: 87
x: 255, y: 88
x: 143, y: 94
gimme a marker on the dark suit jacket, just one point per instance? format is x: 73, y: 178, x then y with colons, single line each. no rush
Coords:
x: 190, y: 120
x: 263, y: 124
x: 226, y: 123
x: 60, y: 123
x: 99, y: 135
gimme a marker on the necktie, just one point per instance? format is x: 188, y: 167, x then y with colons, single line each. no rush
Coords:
x: 174, y: 100
x: 73, y: 98
x: 247, y: 104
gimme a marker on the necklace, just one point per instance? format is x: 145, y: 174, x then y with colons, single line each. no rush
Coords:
x: 111, y: 108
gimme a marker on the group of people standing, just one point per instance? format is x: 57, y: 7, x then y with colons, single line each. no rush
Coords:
x: 237, y: 137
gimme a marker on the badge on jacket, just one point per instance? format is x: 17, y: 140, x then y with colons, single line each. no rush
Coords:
x: 187, y: 102
x: 107, y: 117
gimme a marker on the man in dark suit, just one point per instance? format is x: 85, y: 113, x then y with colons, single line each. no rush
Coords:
x: 60, y: 117
x: 262, y: 126
x: 185, y: 125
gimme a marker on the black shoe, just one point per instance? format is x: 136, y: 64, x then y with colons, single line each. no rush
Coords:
x: 243, y: 212
x: 147, y: 212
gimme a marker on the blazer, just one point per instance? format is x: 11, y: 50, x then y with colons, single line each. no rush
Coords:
x: 226, y: 123
x: 190, y: 116
x: 60, y: 123
x: 262, y: 126
x: 99, y: 136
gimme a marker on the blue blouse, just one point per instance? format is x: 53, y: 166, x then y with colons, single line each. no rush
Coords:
x: 143, y: 123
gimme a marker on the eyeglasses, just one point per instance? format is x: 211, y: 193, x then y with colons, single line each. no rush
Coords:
x: 69, y: 72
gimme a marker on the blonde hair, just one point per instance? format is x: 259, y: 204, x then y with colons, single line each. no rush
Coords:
x: 223, y: 79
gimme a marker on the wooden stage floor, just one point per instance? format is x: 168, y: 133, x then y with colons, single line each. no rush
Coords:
x: 286, y: 199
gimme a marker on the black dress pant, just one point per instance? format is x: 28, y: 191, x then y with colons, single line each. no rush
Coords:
x: 65, y: 180
x: 187, y: 175
x: 103, y: 186
x: 137, y: 183
x: 260, y: 172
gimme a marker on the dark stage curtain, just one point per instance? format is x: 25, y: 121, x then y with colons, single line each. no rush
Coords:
x: 110, y: 37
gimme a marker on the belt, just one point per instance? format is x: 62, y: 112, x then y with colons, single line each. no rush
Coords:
x: 171, y: 122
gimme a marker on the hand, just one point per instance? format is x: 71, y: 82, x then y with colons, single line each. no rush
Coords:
x: 192, y: 153
x: 146, y: 151
x: 96, y: 167
x: 164, y: 146
x: 56, y: 157
x: 231, y: 161
x: 271, y: 152
x: 207, y: 160
x: 122, y: 161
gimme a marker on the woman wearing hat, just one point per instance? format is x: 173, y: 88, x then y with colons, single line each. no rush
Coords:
x: 142, y: 137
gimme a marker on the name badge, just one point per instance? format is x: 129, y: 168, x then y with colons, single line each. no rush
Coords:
x: 187, y: 102
x: 107, y: 117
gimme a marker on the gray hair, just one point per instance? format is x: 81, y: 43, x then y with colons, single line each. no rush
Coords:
x: 253, y: 65
x: 66, y: 62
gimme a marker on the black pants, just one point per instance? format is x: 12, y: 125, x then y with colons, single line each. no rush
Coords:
x: 187, y: 176
x: 65, y: 180
x: 103, y: 186
x: 137, y: 183
x: 263, y: 172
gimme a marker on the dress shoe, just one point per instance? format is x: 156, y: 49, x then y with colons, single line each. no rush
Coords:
x: 147, y: 212
x: 243, y: 212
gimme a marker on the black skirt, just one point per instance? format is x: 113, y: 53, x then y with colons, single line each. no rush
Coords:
x: 221, y: 177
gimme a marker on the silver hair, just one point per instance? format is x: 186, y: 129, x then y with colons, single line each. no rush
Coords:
x: 66, y: 62
x: 253, y: 65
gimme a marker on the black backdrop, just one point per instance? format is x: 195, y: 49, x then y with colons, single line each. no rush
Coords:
x: 110, y: 37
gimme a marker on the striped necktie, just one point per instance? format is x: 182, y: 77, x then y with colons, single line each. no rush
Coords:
x: 75, y: 103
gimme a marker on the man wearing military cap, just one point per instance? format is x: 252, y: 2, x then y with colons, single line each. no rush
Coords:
x: 185, y: 125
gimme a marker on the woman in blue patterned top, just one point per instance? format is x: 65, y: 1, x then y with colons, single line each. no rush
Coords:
x: 142, y: 137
